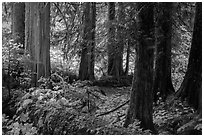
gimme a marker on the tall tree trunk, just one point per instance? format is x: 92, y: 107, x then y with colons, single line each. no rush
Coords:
x: 162, y: 82
x: 141, y: 99
x: 18, y: 22
x: 37, y: 40
x: 111, y: 36
x: 115, y: 42
x: 120, y: 36
x: 191, y: 88
x: 92, y: 47
x: 86, y: 70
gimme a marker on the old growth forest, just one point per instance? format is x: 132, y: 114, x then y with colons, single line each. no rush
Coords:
x: 101, y: 68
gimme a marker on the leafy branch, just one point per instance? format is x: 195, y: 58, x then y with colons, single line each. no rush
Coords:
x: 62, y: 17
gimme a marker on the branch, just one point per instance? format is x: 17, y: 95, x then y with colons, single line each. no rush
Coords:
x: 113, y: 109
x: 62, y: 16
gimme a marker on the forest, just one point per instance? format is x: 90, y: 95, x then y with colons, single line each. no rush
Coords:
x: 101, y: 68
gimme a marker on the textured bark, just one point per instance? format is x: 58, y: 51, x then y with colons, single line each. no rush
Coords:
x: 18, y: 22
x: 37, y: 40
x: 86, y: 70
x: 162, y: 81
x: 111, y: 36
x: 120, y: 37
x: 115, y: 43
x: 92, y: 47
x: 141, y: 99
x: 191, y: 88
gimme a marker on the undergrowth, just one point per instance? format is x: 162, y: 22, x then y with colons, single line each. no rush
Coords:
x: 81, y: 109
x: 71, y: 109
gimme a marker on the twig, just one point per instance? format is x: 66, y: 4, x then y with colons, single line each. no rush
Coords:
x: 62, y: 17
x: 113, y: 109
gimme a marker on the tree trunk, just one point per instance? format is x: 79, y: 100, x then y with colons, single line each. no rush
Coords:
x: 18, y: 22
x: 162, y: 81
x: 191, y: 88
x: 37, y: 40
x: 111, y: 36
x: 92, y: 47
x: 86, y: 70
x: 120, y: 34
x: 115, y: 50
x: 141, y: 99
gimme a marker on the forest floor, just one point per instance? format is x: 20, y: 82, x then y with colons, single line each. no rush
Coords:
x: 84, y: 110
x: 170, y: 118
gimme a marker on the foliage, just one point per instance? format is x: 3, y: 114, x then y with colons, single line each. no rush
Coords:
x: 181, y: 41
x: 69, y: 110
x: 17, y: 128
x: 14, y: 62
x: 66, y: 28
x: 6, y: 11
x: 75, y: 109
x: 53, y: 112
x: 180, y: 55
x: 58, y: 64
x: 176, y: 118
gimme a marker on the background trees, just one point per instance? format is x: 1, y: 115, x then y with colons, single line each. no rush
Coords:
x: 86, y: 70
x: 101, y: 44
x: 37, y: 40
x: 18, y: 24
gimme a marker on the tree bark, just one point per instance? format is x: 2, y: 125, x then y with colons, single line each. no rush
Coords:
x: 141, y: 99
x: 162, y: 81
x: 115, y: 43
x: 92, y: 47
x: 86, y: 70
x: 18, y: 22
x: 191, y: 87
x: 111, y: 35
x: 120, y: 34
x: 37, y: 40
